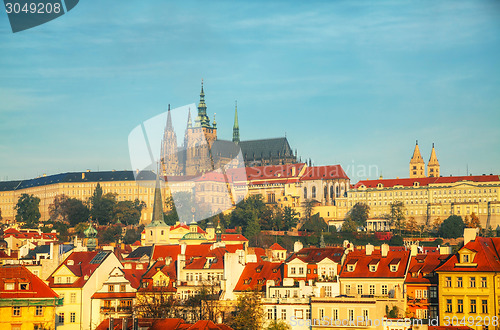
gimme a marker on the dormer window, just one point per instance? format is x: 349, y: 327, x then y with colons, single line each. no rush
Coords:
x: 373, y: 268
x: 394, y: 268
x: 465, y: 258
x: 350, y: 268
x: 9, y: 286
x: 23, y: 286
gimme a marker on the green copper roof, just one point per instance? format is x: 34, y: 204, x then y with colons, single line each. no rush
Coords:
x: 193, y: 236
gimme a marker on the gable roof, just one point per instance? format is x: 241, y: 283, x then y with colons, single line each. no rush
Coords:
x: 265, y: 148
x: 18, y: 274
x: 312, y: 255
x: 277, y: 247
x: 422, y: 265
x: 82, y: 264
x: 487, y: 256
x: 255, y: 275
x: 140, y: 252
x: 362, y: 262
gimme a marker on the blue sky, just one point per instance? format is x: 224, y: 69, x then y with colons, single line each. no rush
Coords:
x: 349, y: 82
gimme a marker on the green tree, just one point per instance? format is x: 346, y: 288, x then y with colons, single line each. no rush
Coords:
x: 75, y: 211
x: 249, y: 312
x: 56, y: 209
x: 252, y: 230
x: 28, y: 211
x: 101, y: 206
x: 128, y: 212
x: 80, y: 229
x: 247, y: 210
x: 133, y: 235
x: 111, y: 234
x: 290, y: 218
x: 308, y: 206
x: 452, y: 227
x: 397, y: 215
x: 359, y: 213
x: 278, y: 325
x: 315, y: 224
x: 349, y: 226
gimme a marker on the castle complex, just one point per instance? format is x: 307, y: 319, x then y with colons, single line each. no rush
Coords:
x: 203, y: 152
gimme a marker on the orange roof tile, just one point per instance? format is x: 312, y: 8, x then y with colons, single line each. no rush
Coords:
x: 19, y: 274
x: 487, y: 256
x: 408, y: 182
x: 255, y: 275
x: 383, y: 270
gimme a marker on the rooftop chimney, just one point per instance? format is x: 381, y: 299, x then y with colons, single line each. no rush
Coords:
x: 369, y: 249
x: 470, y: 234
x: 297, y: 246
x: 384, y: 250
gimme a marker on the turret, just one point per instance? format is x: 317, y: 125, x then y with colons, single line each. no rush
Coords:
x: 417, y: 164
x: 433, y: 164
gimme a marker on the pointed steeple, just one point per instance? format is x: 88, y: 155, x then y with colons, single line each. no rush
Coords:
x: 189, y: 123
x: 202, y: 117
x: 417, y: 164
x: 433, y: 164
x: 157, y: 219
x: 169, y: 120
x: 236, y: 127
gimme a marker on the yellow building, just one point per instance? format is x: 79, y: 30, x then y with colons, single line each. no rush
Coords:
x: 428, y: 198
x: 469, y: 285
x: 26, y: 302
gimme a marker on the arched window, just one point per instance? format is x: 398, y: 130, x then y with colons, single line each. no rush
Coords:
x: 331, y: 192
x: 313, y: 192
x: 305, y: 192
x: 325, y: 193
x: 337, y: 191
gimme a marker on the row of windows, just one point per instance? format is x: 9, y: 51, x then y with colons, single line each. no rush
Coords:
x: 350, y: 314
x: 16, y: 311
x: 272, y: 314
x: 199, y: 277
x: 72, y: 318
x: 472, y: 306
x: 460, y: 283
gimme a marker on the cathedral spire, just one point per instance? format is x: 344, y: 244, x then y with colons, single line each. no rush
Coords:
x: 202, y: 110
x: 236, y: 127
x: 417, y: 164
x: 189, y: 123
x: 169, y: 120
x: 433, y: 164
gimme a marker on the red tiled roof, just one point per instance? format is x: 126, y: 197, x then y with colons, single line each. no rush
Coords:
x: 163, y: 251
x: 116, y: 295
x: 276, y: 246
x: 184, y: 226
x: 19, y: 274
x: 79, y: 264
x: 313, y: 255
x: 487, y: 256
x: 29, y: 234
x: 408, y: 182
x: 324, y: 172
x: 361, y: 270
x: 213, y: 259
x: 233, y: 237
x: 422, y: 265
x: 134, y: 275
x: 255, y: 275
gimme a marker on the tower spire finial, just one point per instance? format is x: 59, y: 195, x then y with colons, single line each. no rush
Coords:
x: 236, y: 127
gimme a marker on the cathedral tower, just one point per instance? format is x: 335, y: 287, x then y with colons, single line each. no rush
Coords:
x: 169, y: 151
x: 433, y: 164
x: 236, y: 127
x: 198, y: 141
x: 417, y: 164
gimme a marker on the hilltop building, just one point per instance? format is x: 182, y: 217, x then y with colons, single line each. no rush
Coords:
x: 202, y: 151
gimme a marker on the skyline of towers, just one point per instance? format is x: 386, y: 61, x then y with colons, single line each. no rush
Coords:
x: 417, y: 164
